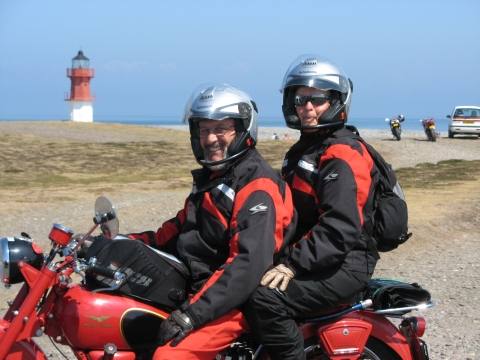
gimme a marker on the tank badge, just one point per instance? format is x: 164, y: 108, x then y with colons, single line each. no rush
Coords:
x: 99, y: 318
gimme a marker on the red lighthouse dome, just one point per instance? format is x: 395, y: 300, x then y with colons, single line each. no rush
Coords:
x: 80, y: 97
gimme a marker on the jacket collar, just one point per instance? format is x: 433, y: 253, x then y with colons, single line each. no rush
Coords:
x: 204, y: 179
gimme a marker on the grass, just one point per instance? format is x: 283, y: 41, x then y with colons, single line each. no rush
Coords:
x: 444, y: 173
x: 27, y: 161
x: 37, y: 163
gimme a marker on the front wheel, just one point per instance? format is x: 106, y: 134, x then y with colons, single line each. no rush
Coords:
x: 396, y: 132
x: 431, y: 135
x: 450, y: 134
x: 25, y: 350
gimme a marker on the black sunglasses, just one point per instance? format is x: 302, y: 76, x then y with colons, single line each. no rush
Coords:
x: 301, y: 100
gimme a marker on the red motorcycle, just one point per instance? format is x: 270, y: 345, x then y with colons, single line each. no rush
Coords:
x: 429, y: 128
x: 102, y: 310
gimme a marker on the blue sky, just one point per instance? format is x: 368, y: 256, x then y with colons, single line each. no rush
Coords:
x: 415, y: 57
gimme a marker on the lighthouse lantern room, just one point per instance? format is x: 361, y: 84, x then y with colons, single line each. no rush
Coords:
x: 80, y: 98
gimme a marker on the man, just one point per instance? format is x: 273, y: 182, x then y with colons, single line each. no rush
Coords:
x: 332, y: 178
x: 234, y: 221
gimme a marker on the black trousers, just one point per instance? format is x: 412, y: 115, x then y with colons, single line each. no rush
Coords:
x: 272, y: 314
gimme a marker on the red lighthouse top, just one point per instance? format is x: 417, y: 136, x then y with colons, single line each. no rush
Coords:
x: 80, y: 74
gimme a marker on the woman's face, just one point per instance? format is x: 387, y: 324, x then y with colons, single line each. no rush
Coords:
x: 310, y: 104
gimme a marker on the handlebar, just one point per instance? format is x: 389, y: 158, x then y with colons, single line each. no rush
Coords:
x: 95, y: 268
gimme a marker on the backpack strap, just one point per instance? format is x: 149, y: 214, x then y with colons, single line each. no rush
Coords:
x: 387, y: 178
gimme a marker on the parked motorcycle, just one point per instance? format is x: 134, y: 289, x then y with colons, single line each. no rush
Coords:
x: 101, y: 310
x: 395, y: 126
x: 429, y: 128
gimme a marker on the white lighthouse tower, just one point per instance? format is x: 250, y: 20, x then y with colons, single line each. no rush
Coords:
x: 80, y: 98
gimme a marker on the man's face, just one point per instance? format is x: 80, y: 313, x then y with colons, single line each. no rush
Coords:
x: 310, y: 105
x: 215, y: 137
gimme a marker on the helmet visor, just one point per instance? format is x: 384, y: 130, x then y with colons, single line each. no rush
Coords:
x: 312, y: 71
x: 324, y: 82
x: 230, y: 111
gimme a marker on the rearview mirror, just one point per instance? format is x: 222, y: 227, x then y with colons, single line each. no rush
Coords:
x: 106, y: 217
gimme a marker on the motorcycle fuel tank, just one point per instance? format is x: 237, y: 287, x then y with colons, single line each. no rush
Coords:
x: 89, y: 320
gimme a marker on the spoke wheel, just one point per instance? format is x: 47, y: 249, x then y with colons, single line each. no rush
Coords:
x: 377, y: 350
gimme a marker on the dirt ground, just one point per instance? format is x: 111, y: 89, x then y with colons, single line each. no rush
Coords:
x: 443, y: 254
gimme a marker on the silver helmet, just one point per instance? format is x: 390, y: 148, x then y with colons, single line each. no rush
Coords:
x: 219, y: 102
x: 313, y: 71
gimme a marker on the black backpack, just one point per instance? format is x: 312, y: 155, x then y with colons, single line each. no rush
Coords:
x: 390, y: 214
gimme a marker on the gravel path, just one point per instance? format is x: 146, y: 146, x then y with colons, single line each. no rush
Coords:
x: 443, y: 255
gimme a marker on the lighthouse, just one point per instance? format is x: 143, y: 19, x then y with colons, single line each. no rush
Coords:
x: 80, y: 99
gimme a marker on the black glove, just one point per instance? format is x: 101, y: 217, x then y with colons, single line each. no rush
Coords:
x: 177, y: 326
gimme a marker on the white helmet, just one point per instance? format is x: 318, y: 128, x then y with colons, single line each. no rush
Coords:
x: 219, y: 102
x: 313, y: 71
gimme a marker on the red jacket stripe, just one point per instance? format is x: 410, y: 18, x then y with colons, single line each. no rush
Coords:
x: 170, y: 228
x: 211, y: 280
x: 361, y: 166
x: 301, y: 185
x: 167, y: 232
x: 283, y: 214
x: 288, y: 202
x: 218, y: 273
x: 209, y: 205
x: 182, y: 214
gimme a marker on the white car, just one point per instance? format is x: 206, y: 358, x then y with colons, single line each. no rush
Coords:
x: 464, y: 120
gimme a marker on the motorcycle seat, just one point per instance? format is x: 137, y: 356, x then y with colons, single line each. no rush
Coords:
x: 323, y: 312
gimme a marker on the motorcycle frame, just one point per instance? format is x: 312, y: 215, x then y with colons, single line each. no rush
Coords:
x: 22, y: 322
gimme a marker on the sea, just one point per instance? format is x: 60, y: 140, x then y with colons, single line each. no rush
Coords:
x: 372, y: 123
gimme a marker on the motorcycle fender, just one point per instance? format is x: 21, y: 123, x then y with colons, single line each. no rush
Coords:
x: 345, y: 339
x: 386, y: 332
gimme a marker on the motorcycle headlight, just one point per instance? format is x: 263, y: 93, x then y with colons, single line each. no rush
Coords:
x: 12, y: 251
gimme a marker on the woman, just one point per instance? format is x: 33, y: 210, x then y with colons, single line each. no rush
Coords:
x: 332, y: 178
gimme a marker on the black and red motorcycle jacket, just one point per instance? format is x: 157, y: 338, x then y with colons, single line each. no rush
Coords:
x: 332, y: 178
x: 227, y: 234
